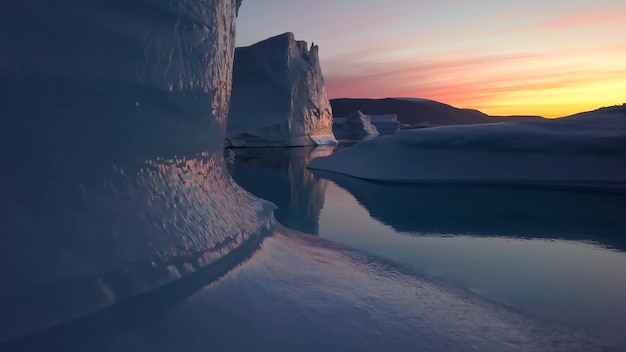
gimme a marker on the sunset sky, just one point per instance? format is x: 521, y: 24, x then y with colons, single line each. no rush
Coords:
x: 548, y: 57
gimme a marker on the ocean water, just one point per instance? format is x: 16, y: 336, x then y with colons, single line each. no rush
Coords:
x: 558, y: 255
x: 570, y: 279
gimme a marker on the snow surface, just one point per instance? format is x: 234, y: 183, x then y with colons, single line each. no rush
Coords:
x: 278, y: 96
x: 580, y: 149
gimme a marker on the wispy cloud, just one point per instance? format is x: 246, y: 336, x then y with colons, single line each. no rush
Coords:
x: 487, y: 81
x: 534, y: 56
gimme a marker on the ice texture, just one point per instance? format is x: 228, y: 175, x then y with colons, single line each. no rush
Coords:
x: 113, y: 183
x: 580, y: 149
x: 304, y: 293
x: 355, y: 126
x: 279, y: 96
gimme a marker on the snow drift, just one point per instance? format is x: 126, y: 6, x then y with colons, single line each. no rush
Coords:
x: 279, y: 96
x: 585, y: 148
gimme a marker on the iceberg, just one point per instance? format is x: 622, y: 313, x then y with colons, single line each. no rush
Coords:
x: 113, y: 180
x: 355, y: 126
x: 386, y: 124
x: 584, y: 149
x: 278, y: 96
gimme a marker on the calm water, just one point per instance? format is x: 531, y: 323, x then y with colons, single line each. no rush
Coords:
x: 555, y: 254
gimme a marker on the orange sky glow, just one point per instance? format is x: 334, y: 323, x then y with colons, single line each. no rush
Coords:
x: 503, y: 58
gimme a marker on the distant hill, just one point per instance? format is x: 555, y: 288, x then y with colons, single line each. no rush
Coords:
x: 414, y: 111
x: 619, y: 109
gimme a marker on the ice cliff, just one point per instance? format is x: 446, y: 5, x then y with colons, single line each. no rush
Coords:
x: 279, y: 96
x: 113, y: 182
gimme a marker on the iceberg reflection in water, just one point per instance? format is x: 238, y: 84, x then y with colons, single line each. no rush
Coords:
x: 557, y: 254
x: 290, y: 291
x: 280, y: 175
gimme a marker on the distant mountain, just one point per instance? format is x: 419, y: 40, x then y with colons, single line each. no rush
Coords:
x: 414, y: 111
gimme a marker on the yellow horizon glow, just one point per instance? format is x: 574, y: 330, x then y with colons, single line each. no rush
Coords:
x: 547, y: 58
x: 558, y: 102
x: 549, y: 85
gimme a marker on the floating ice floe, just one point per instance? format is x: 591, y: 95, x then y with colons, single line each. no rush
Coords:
x: 587, y: 148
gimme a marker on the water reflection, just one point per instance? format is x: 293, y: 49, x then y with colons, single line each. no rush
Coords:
x: 562, y: 279
x: 280, y: 176
x: 557, y: 254
x: 492, y: 211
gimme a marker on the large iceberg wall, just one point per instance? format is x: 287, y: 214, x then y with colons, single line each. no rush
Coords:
x: 113, y: 182
x: 279, y: 96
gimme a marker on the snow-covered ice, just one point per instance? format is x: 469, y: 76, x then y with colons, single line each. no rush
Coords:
x: 587, y: 148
